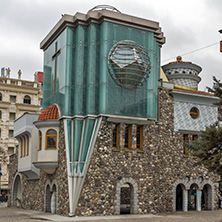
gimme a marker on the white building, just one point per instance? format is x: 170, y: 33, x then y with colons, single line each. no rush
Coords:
x: 17, y: 96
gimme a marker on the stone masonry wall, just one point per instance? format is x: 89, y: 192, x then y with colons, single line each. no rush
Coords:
x: 13, y: 167
x: 155, y: 169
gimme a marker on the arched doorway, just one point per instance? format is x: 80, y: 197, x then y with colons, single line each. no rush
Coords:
x: 17, y: 192
x: 53, y: 200
x: 126, y: 197
x: 48, y: 199
x: 179, y: 198
x: 192, y: 197
x: 206, y: 197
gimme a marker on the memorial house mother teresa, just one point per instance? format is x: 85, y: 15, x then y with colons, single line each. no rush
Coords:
x: 112, y: 136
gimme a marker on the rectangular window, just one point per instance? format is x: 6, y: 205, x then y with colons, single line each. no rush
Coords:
x: 10, y: 150
x: 27, y: 153
x: 185, y: 140
x: 195, y: 137
x: 24, y: 148
x: 115, y: 135
x: 21, y: 150
x: 40, y: 140
x: 13, y: 99
x: 139, y: 131
x: 51, y: 139
x: 127, y: 136
x: 11, y: 116
x: 10, y: 132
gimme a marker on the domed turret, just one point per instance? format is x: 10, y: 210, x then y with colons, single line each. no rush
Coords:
x: 183, y: 73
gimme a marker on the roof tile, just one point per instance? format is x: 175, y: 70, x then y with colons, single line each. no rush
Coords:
x: 49, y: 113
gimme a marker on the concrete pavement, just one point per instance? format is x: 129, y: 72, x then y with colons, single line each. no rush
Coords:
x: 20, y: 215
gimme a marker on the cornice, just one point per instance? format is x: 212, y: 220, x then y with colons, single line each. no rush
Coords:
x: 99, y: 17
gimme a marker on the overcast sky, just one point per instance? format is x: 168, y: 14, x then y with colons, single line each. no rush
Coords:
x: 187, y: 25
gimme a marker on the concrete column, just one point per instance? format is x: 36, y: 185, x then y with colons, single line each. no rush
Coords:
x: 198, y: 200
x: 185, y: 200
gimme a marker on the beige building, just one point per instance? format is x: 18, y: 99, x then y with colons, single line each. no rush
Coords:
x: 17, y: 96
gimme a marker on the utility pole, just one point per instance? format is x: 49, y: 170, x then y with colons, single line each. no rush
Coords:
x: 220, y: 31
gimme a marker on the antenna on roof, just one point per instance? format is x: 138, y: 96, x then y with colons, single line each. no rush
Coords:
x: 106, y: 7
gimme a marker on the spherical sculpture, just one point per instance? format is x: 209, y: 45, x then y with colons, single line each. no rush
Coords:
x: 129, y: 64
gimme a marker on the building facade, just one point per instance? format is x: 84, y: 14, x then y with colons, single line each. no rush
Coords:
x: 17, y: 96
x: 112, y: 136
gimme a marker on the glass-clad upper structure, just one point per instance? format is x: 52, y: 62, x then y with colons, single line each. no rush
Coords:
x: 103, y: 62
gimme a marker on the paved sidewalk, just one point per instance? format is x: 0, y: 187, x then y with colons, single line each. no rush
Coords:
x: 20, y: 215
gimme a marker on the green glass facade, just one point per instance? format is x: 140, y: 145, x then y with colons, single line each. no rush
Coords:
x: 83, y: 83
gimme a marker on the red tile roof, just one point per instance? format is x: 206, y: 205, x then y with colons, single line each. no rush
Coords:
x: 193, y: 91
x: 49, y: 113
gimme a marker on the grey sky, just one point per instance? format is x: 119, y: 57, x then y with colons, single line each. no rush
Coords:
x: 187, y: 25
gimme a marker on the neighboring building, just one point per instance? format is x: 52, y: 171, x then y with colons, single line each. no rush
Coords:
x: 17, y: 96
x: 110, y: 139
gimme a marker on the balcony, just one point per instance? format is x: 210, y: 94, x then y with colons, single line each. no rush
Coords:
x: 26, y: 134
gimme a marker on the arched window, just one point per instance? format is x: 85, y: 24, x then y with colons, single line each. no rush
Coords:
x: 0, y: 97
x: 27, y: 100
x: 40, y: 140
x: 51, y: 139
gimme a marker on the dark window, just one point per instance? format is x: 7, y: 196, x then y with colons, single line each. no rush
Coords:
x: 27, y: 100
x: 40, y: 140
x: 13, y: 99
x: 51, y: 139
x: 115, y: 135
x: 185, y: 141
x: 127, y: 136
x: 139, y: 137
x: 11, y: 116
x: 0, y: 97
x: 194, y: 137
x: 10, y: 133
x: 10, y: 150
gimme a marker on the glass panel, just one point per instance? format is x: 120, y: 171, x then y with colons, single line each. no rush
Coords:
x: 51, y: 141
x: 89, y: 126
x: 78, y: 124
x: 69, y: 125
x: 51, y: 132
